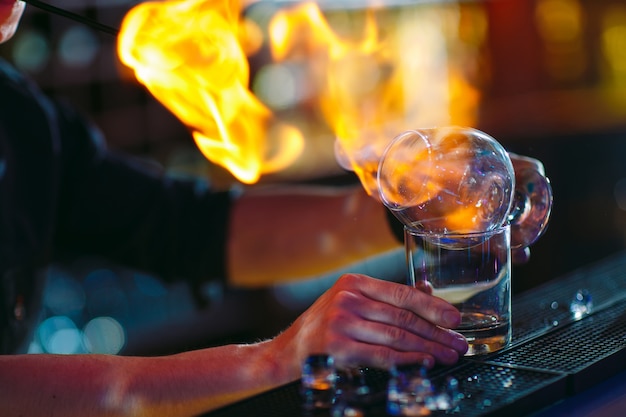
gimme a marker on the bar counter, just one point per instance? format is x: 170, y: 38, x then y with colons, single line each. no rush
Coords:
x: 559, y: 362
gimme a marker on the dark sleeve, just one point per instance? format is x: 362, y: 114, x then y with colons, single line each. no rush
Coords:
x: 29, y: 178
x: 121, y: 208
x: 28, y: 171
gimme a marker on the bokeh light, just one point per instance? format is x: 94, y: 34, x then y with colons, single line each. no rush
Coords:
x: 59, y: 334
x: 105, y: 294
x: 104, y: 335
x: 614, y: 42
x: 78, y: 47
x: 64, y: 294
x: 561, y: 24
x: 31, y: 51
x: 149, y: 285
x: 277, y: 86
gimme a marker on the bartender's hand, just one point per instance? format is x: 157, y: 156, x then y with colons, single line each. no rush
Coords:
x: 520, y: 163
x: 362, y: 321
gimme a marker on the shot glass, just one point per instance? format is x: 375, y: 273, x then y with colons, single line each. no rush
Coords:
x: 353, y: 395
x: 318, y: 382
x: 409, y: 391
x: 471, y: 271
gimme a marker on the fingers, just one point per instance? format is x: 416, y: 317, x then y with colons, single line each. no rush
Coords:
x: 376, y: 356
x: 521, y: 162
x: 520, y: 256
x: 424, y: 286
x: 444, y: 346
x: 432, y: 309
x: 363, y: 321
x: 403, y: 330
x: 378, y: 323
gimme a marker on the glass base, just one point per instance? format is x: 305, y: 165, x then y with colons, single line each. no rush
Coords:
x: 483, y: 340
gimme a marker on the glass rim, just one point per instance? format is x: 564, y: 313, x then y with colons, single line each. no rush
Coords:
x: 452, y: 235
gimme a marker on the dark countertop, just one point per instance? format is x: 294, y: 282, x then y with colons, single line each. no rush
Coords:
x: 558, y: 364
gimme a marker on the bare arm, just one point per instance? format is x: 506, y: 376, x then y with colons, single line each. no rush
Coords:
x: 360, y: 321
x: 292, y: 232
x: 185, y: 384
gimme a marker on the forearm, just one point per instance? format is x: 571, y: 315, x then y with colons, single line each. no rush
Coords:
x: 297, y: 232
x: 186, y: 384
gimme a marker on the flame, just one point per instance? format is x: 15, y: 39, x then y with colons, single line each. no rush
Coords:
x: 192, y: 56
x: 368, y: 84
x: 189, y: 55
x: 373, y: 87
x: 376, y: 86
x: 347, y: 74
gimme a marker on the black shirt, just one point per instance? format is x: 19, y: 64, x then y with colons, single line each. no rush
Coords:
x: 62, y: 193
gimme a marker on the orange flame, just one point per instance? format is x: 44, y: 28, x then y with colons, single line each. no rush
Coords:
x: 188, y: 54
x: 392, y: 75
x: 376, y: 86
x: 359, y: 107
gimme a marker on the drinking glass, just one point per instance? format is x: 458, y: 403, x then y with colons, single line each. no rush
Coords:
x: 472, y: 271
x: 318, y: 381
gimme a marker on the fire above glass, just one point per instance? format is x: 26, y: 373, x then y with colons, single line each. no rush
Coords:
x: 366, y: 85
x: 267, y: 86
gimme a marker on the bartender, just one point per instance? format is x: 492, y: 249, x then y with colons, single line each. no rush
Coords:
x: 63, y: 194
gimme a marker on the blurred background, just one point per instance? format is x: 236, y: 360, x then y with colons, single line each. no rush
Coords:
x: 547, y: 79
